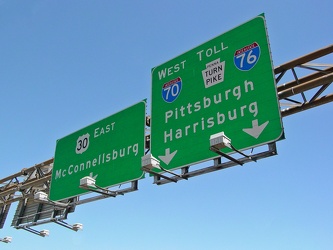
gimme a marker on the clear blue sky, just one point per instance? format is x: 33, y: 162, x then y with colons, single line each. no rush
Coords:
x: 67, y: 64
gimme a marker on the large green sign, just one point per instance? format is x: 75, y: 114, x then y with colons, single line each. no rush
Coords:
x: 226, y: 84
x: 109, y: 151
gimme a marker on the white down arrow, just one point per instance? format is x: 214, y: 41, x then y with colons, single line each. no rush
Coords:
x: 256, y: 130
x: 168, y: 156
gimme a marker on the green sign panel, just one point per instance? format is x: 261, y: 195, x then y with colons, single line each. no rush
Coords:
x: 224, y: 85
x: 109, y: 151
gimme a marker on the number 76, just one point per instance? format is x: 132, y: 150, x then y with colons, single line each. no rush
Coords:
x: 250, y: 58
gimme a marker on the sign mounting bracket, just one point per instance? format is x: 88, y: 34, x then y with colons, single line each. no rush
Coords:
x: 219, y: 165
x: 149, y: 163
x: 220, y: 140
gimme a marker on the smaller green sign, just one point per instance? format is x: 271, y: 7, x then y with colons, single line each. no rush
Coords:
x: 109, y: 151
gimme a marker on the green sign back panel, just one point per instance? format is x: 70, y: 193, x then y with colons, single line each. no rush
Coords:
x: 109, y: 150
x: 226, y: 84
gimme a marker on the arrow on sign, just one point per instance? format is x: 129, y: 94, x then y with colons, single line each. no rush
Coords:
x: 92, y: 175
x: 256, y: 130
x: 168, y: 156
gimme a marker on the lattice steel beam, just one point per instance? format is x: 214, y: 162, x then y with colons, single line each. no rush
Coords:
x: 307, y: 91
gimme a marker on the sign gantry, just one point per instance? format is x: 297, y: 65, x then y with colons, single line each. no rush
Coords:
x: 309, y: 91
x: 221, y: 91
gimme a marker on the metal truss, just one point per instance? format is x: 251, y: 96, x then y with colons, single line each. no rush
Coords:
x: 26, y: 182
x: 23, y: 185
x: 307, y: 89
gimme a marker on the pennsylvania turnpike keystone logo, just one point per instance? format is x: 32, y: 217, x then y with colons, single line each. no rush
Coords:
x: 214, y: 73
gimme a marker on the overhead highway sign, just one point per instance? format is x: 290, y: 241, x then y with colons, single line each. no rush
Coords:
x: 109, y: 151
x: 224, y: 85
